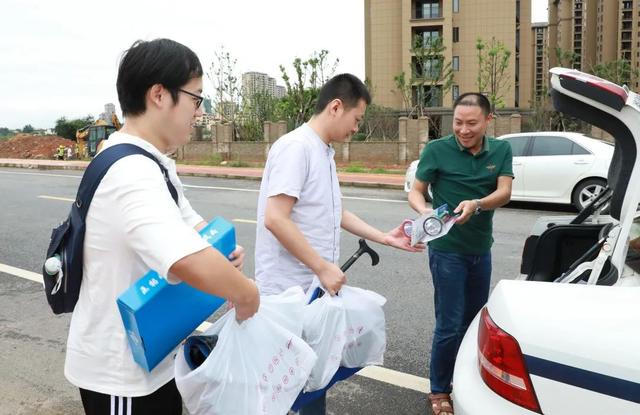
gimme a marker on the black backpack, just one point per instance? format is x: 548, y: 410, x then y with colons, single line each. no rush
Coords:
x: 67, y: 240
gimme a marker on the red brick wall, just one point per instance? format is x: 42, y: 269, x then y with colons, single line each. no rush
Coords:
x: 381, y: 152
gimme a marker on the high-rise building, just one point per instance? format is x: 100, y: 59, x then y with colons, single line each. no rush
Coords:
x: 572, y: 33
x: 391, y: 26
x: 628, y: 28
x: 109, y: 110
x: 606, y: 29
x: 253, y: 82
x: 540, y: 59
x: 595, y: 31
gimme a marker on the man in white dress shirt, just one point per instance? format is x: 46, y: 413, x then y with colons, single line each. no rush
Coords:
x: 300, y: 211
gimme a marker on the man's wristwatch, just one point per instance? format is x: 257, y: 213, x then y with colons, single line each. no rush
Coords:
x: 478, y: 207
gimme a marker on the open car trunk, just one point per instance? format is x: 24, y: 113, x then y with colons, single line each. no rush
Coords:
x: 561, y: 248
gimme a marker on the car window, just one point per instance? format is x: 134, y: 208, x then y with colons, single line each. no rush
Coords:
x: 518, y: 145
x: 579, y: 150
x: 551, y: 146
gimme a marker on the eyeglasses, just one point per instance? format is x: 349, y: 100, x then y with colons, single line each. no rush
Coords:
x: 197, y: 98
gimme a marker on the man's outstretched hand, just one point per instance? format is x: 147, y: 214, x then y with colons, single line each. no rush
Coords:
x: 397, y: 239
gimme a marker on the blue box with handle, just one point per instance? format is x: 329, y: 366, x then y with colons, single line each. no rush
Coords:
x: 158, y: 315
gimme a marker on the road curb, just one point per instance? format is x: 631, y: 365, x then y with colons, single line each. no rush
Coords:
x: 344, y: 182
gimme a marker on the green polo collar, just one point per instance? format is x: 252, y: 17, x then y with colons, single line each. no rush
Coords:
x: 485, y: 145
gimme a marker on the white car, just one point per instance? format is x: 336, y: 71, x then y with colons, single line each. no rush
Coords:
x: 565, y: 337
x: 553, y: 167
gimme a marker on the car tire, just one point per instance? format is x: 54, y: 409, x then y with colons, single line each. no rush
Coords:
x: 585, y: 191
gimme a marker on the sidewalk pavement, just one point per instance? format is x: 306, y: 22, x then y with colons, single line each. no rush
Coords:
x: 385, y: 181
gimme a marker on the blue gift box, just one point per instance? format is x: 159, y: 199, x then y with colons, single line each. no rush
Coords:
x: 158, y: 315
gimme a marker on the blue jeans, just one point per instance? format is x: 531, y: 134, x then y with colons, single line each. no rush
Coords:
x: 461, y: 288
x: 316, y: 407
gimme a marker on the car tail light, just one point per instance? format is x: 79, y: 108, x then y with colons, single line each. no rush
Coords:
x: 502, y: 365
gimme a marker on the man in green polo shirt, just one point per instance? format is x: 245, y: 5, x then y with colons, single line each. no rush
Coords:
x: 472, y: 174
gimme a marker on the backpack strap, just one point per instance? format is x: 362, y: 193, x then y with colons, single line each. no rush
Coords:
x: 99, y: 166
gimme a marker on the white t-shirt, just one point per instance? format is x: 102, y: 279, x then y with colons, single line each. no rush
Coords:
x: 300, y: 165
x: 133, y: 225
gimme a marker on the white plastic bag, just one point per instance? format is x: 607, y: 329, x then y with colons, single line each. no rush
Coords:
x: 365, y: 332
x: 257, y: 367
x: 323, y: 329
x: 285, y: 309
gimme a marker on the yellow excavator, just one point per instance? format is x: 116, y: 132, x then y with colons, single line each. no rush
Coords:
x: 89, y: 138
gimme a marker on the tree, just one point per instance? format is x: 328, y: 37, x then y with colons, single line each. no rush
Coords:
x: 28, y: 129
x: 619, y: 71
x: 222, y: 74
x: 67, y: 128
x: 302, y: 92
x: 256, y: 109
x: 566, y: 58
x: 493, y: 61
x: 431, y: 76
x: 545, y: 118
x: 5, y: 132
x: 405, y: 91
x: 378, y: 122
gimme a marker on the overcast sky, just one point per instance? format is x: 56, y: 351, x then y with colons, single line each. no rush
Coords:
x: 59, y: 58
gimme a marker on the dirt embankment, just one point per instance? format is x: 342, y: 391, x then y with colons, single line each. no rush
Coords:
x: 25, y: 146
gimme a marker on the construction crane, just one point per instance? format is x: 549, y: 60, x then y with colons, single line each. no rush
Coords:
x: 90, y: 137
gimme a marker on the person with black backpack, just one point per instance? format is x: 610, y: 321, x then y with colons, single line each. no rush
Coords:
x: 139, y: 219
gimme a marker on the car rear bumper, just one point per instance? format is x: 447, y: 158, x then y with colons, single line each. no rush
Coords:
x: 471, y: 396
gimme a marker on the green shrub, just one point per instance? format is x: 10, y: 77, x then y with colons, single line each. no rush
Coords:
x: 355, y: 168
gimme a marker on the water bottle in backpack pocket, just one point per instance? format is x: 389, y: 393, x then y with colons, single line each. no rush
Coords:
x: 62, y: 271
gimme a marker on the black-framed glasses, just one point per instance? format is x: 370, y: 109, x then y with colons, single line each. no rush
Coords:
x: 198, y: 98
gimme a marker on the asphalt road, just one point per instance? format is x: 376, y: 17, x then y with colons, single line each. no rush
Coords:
x: 33, y: 340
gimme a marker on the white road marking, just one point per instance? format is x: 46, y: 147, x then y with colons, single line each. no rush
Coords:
x: 63, y: 199
x: 245, y: 221
x: 66, y: 199
x: 232, y: 189
x: 393, y: 377
x: 381, y: 374
x: 27, y: 275
x: 42, y: 174
x: 369, y: 199
x: 204, y: 327
x: 193, y: 186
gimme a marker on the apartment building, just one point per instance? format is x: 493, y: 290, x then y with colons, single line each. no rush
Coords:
x: 595, y: 31
x: 391, y: 26
x: 253, y: 82
x: 572, y: 30
x: 540, y: 55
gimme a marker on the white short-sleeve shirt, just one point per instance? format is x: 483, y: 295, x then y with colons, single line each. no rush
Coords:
x: 133, y: 225
x: 300, y: 165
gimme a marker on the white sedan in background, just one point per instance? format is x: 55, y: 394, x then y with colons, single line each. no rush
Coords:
x: 553, y: 167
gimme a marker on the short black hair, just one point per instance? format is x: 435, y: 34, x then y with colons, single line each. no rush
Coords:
x: 345, y: 87
x: 146, y: 63
x: 474, y: 99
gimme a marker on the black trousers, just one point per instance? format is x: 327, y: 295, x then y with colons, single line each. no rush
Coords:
x: 164, y: 401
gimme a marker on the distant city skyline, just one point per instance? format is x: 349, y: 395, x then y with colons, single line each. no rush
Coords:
x: 56, y: 64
